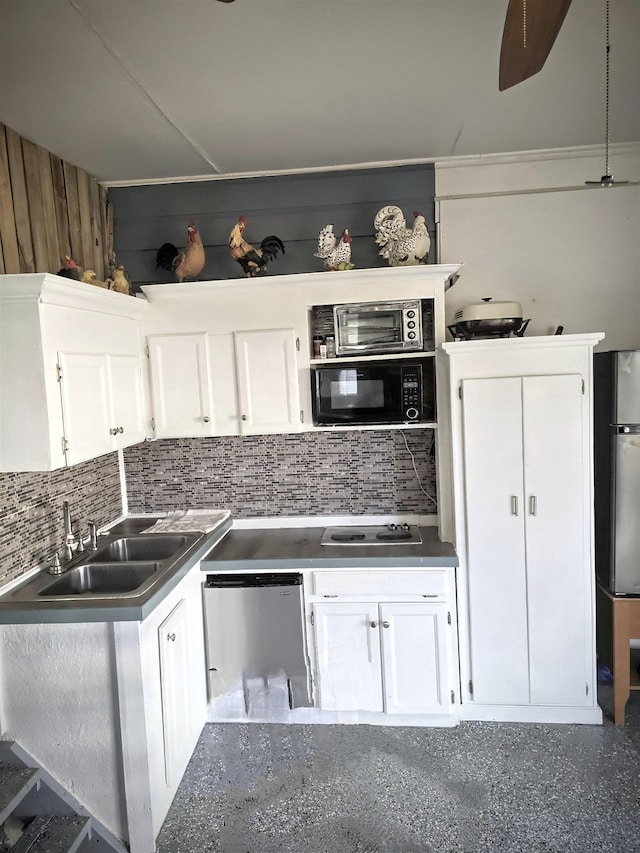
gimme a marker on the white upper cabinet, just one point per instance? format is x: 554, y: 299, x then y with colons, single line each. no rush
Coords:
x: 522, y: 439
x: 181, y: 385
x: 71, y: 382
x: 268, y: 392
x: 102, y: 403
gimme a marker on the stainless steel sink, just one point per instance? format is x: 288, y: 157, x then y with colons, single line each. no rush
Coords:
x: 101, y: 579
x: 130, y: 549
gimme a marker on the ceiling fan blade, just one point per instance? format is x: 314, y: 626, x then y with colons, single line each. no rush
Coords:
x: 522, y: 57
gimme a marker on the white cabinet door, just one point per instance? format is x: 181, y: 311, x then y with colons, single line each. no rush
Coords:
x: 181, y: 385
x: 556, y: 539
x: 86, y: 406
x: 527, y: 537
x: 125, y: 379
x: 347, y: 643
x: 268, y: 391
x: 173, y: 644
x: 494, y: 496
x: 415, y: 658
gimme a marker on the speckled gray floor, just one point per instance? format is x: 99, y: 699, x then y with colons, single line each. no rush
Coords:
x: 271, y: 788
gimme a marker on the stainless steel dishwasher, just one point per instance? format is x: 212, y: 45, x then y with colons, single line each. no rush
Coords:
x: 254, y: 629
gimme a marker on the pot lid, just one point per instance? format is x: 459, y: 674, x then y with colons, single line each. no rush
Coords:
x: 488, y: 310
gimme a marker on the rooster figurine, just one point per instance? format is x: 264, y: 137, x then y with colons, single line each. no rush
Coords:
x: 334, y: 256
x: 70, y: 269
x: 120, y: 282
x: 253, y: 261
x: 185, y: 264
x: 401, y: 246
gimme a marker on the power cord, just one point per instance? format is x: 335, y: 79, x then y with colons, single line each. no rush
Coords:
x: 415, y: 470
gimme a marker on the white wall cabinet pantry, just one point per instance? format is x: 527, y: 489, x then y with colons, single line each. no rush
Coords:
x: 241, y: 383
x: 112, y: 709
x: 71, y: 385
x: 522, y: 464
x: 384, y: 643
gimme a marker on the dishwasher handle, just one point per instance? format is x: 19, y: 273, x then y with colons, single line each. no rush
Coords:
x: 252, y: 579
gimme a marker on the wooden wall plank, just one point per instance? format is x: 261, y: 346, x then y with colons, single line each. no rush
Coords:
x: 49, y: 210
x: 62, y: 216
x: 84, y: 201
x: 36, y: 207
x: 96, y: 236
x: 9, y: 255
x: 20, y: 201
x: 73, y: 209
x: 104, y: 231
x: 110, y: 254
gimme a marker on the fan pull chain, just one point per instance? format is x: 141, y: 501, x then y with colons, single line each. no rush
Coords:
x: 524, y: 23
x: 606, y: 99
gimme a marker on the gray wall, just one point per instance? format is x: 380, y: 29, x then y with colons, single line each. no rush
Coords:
x: 294, y: 207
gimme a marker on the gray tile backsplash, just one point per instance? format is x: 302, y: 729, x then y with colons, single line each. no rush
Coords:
x: 31, y: 519
x: 324, y: 473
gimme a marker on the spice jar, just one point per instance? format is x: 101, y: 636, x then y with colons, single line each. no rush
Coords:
x: 330, y: 341
x: 317, y: 343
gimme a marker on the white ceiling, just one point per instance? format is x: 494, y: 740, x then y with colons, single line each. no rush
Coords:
x: 141, y: 90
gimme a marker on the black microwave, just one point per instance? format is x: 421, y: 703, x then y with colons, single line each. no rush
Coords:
x: 376, y: 393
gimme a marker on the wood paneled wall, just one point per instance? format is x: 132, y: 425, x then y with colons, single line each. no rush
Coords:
x: 49, y: 209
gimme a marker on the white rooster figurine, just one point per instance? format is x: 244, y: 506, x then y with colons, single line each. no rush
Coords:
x: 401, y: 246
x: 334, y: 255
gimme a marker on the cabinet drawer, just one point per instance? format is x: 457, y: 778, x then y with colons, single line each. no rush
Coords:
x: 394, y: 582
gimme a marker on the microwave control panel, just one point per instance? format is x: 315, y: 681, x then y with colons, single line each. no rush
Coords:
x: 412, y: 392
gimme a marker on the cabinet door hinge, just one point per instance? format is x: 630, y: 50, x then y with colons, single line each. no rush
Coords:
x: 311, y: 618
x: 448, y: 618
x: 471, y: 687
x: 453, y: 697
x: 301, y: 416
x: 298, y: 344
x: 460, y: 391
x: 146, y: 351
x: 153, y: 423
x: 59, y: 372
x: 583, y: 387
x: 586, y: 689
x: 65, y: 445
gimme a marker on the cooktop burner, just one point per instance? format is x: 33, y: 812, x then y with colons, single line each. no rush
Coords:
x: 390, y: 534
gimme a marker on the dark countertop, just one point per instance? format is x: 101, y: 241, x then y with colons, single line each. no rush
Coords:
x: 287, y: 548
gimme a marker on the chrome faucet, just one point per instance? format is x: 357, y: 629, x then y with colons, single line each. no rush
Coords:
x: 70, y: 538
x: 93, y: 536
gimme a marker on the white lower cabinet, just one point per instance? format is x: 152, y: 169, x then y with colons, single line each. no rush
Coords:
x: 228, y: 384
x: 385, y: 656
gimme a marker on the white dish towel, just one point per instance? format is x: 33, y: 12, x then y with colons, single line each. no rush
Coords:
x: 188, y: 520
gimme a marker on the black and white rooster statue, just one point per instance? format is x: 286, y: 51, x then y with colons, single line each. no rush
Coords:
x: 334, y: 255
x: 401, y: 246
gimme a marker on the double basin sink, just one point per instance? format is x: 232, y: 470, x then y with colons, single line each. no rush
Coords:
x: 127, y: 567
x: 122, y: 566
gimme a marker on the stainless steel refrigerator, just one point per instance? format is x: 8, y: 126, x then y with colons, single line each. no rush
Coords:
x: 617, y: 470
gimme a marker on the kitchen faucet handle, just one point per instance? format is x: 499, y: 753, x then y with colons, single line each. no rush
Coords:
x: 93, y: 536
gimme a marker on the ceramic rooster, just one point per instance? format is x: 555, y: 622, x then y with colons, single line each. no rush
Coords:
x: 70, y: 269
x: 90, y: 277
x: 401, y: 246
x: 185, y: 264
x: 253, y: 261
x: 334, y: 256
x: 120, y: 282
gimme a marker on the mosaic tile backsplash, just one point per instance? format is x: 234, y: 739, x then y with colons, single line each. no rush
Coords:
x: 325, y: 473
x: 31, y: 521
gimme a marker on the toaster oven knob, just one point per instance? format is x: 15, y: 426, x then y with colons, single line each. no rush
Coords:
x: 411, y: 324
x: 411, y: 335
x: 411, y: 314
x: 412, y: 413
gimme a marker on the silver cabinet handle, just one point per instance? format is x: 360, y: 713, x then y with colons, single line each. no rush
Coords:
x: 113, y: 431
x: 206, y: 419
x: 171, y: 637
x: 373, y: 624
x: 533, y: 505
x: 120, y: 430
x: 385, y: 625
x: 514, y: 504
x: 244, y: 418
